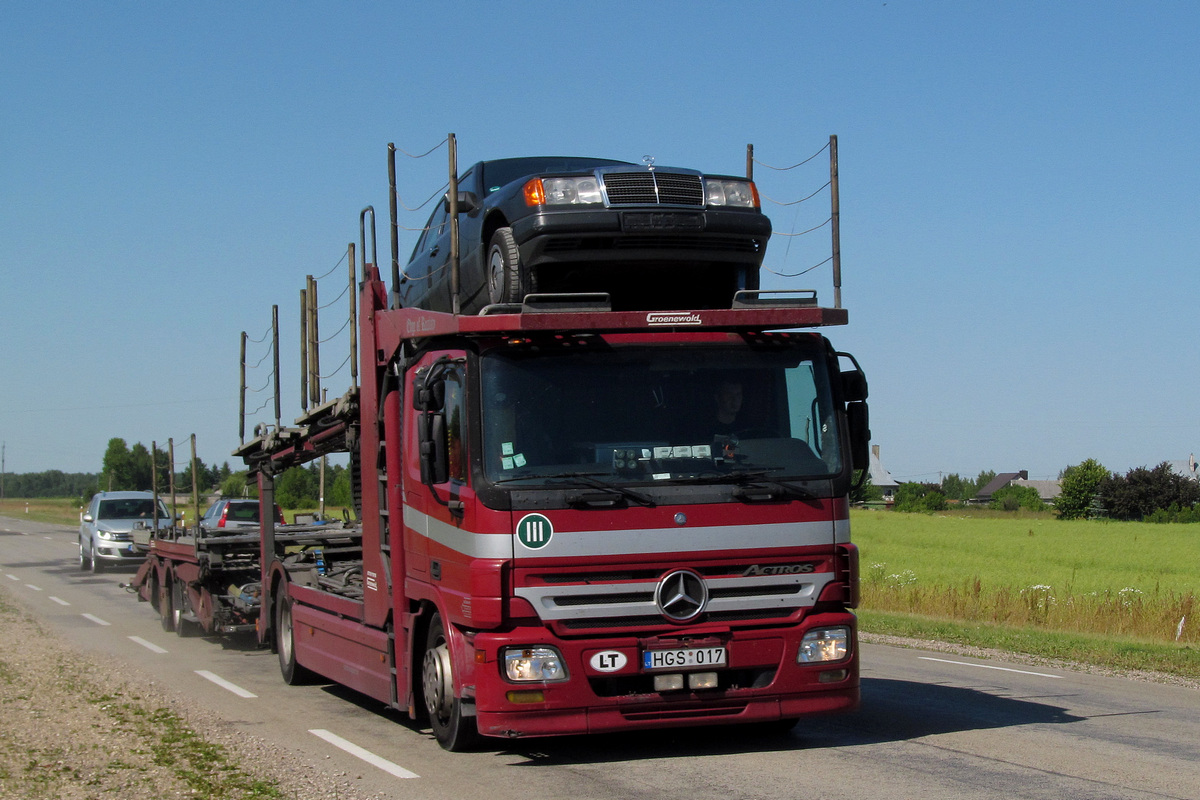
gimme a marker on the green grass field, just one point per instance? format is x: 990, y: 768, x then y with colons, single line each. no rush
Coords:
x: 1114, y: 593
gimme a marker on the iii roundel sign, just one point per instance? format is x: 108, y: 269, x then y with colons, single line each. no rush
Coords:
x: 534, y: 531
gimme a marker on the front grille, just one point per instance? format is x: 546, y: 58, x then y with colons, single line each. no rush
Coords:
x: 653, y: 188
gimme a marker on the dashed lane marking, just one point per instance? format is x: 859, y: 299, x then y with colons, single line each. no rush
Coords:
x: 34, y: 588
x: 365, y: 755
x: 224, y: 684
x: 153, y: 648
x: 96, y: 619
x: 59, y: 600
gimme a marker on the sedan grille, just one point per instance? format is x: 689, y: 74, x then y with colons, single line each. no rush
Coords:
x: 653, y: 188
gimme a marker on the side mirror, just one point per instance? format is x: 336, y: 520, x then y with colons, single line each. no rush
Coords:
x: 429, y: 395
x: 854, y: 386
x: 467, y: 202
x: 431, y: 430
x: 88, y: 518
x: 860, y: 435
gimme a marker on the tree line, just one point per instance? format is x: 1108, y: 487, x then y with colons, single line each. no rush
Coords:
x: 1088, y: 491
x: 126, y: 468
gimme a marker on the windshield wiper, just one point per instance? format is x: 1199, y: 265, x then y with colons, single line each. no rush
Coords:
x: 591, y: 479
x: 750, y: 486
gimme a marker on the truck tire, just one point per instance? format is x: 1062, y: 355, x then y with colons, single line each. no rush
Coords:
x: 153, y: 590
x: 508, y: 279
x: 285, y: 643
x: 179, y: 606
x: 166, y: 610
x: 454, y: 731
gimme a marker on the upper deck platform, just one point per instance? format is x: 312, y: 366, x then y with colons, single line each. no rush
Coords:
x: 577, y: 313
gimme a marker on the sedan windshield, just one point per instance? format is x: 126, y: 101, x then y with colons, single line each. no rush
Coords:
x: 131, y: 508
x: 654, y: 414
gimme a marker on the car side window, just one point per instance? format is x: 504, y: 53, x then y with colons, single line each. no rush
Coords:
x: 437, y: 223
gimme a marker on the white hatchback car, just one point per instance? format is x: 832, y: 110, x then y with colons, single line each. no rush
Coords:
x: 106, y: 527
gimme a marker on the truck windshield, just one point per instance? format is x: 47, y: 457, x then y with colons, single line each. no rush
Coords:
x: 642, y: 414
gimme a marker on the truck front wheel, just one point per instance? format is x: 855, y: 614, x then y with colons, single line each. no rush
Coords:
x: 454, y: 731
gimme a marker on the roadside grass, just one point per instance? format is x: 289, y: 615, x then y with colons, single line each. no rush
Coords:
x: 68, y: 731
x: 56, y: 511
x: 1114, y: 594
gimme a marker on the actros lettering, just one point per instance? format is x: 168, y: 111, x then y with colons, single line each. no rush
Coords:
x: 778, y: 569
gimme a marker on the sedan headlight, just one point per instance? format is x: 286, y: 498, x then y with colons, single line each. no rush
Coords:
x: 824, y: 644
x: 104, y: 534
x: 583, y: 190
x: 534, y: 664
x: 727, y: 192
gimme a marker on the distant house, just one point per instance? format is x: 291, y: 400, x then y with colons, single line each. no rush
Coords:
x: 997, y: 483
x: 1186, y: 468
x: 1047, y: 490
x: 880, y: 477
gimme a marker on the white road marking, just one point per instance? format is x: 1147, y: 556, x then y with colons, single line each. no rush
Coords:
x: 153, y: 648
x: 365, y: 755
x: 31, y: 586
x: 224, y: 684
x: 989, y: 666
x: 59, y: 600
x: 96, y: 619
x: 12, y: 577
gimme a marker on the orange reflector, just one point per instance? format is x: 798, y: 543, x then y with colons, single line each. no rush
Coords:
x: 527, y: 696
x: 535, y: 195
x: 480, y: 656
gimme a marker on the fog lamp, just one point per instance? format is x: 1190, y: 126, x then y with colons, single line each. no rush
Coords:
x: 702, y: 680
x: 668, y: 683
x: 824, y: 644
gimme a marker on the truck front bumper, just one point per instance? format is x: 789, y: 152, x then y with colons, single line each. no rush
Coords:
x: 760, y: 682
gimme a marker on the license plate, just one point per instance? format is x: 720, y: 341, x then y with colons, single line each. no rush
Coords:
x: 684, y: 658
x: 662, y: 221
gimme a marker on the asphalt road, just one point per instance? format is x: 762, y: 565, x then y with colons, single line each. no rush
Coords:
x: 931, y: 725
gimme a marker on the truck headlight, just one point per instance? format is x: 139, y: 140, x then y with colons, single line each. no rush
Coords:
x: 534, y: 664
x: 726, y: 192
x: 824, y: 644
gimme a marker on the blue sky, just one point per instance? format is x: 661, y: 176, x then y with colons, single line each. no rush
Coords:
x: 1019, y: 188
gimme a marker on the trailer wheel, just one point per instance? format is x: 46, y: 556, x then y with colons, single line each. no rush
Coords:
x: 153, y: 590
x: 179, y: 605
x: 166, y: 604
x: 454, y: 731
x: 285, y: 644
x: 508, y: 279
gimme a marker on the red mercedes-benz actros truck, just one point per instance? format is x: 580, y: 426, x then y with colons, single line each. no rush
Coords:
x: 576, y: 519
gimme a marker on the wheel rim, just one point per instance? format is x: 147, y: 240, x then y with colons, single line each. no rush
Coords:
x: 496, y: 275
x: 177, y: 608
x: 285, y: 632
x: 437, y: 680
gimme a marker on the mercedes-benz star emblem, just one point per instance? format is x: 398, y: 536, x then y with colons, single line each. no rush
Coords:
x: 681, y: 595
